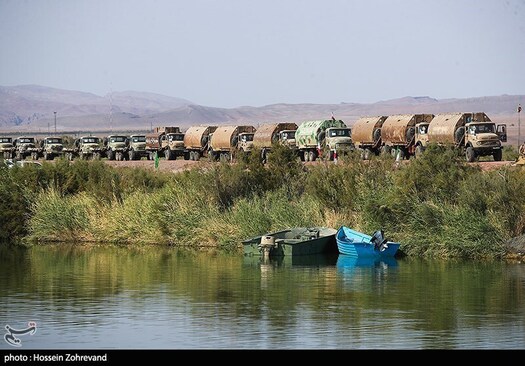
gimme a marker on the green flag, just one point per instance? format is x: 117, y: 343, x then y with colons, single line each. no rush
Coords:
x: 156, y: 160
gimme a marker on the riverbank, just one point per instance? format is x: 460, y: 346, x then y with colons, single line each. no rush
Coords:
x: 436, y: 206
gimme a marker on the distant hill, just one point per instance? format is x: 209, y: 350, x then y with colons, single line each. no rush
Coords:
x: 30, y: 108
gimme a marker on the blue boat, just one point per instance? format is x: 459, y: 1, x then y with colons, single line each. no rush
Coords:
x: 357, y: 244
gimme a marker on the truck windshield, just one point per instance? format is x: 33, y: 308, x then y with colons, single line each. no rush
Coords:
x: 26, y: 140
x: 54, y: 140
x: 423, y: 129
x: 5, y: 139
x: 139, y: 138
x: 340, y: 132
x: 289, y: 135
x: 90, y: 140
x: 484, y: 128
x: 117, y: 139
x: 176, y: 137
x: 247, y: 137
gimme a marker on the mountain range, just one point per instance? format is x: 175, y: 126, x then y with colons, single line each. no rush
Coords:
x: 31, y: 108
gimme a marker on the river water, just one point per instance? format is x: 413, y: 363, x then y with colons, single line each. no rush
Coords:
x: 105, y: 297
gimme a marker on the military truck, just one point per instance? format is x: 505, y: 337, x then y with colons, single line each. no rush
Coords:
x: 48, y: 148
x: 226, y: 141
x: 197, y: 141
x: 166, y: 141
x: 398, y: 133
x: 366, y: 135
x: 7, y: 149
x: 137, y: 147
x: 323, y: 138
x: 24, y: 145
x: 274, y: 133
x: 116, y: 147
x: 85, y: 147
x: 474, y: 133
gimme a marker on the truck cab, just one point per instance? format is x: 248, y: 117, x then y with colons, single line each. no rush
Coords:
x: 52, y: 147
x: 482, y: 138
x: 6, y: 147
x: 245, y: 143
x: 173, y: 144
x: 337, y: 141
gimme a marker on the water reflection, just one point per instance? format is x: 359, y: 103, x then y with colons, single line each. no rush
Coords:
x: 110, y: 297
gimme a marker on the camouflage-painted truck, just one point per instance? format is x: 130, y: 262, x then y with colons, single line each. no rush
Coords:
x: 324, y: 138
x: 7, y: 149
x: 48, y: 148
x: 474, y: 133
x: 270, y: 134
x: 166, y: 141
x: 197, y: 141
x: 227, y: 141
x: 85, y: 147
x: 24, y: 145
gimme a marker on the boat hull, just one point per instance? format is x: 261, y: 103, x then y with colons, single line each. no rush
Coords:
x: 295, y: 242
x: 356, y: 244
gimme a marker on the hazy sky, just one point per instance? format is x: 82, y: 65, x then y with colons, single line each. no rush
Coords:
x: 229, y: 53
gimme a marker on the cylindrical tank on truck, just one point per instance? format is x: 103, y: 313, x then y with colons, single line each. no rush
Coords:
x: 227, y: 140
x: 398, y: 133
x: 274, y: 133
x: 197, y: 141
x: 366, y: 135
x: 474, y: 133
x: 313, y: 140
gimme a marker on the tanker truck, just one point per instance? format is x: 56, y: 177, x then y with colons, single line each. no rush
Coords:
x: 366, y: 135
x: 325, y: 138
x: 197, y: 142
x: 398, y: 133
x: 226, y: 141
x: 474, y: 133
x: 274, y: 133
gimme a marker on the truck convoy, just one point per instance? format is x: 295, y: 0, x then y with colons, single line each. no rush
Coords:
x: 366, y: 135
x: 274, y: 133
x: 197, y: 141
x: 325, y: 138
x: 474, y: 133
x: 226, y: 141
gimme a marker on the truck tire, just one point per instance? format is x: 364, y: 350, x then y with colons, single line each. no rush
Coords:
x: 132, y: 155
x: 111, y: 155
x: 312, y: 155
x: 119, y: 156
x: 470, y: 154
x: 498, y: 155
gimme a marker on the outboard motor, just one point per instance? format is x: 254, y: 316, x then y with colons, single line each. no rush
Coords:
x: 379, y: 241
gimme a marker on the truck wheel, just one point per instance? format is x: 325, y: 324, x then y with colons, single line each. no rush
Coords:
x: 498, y: 154
x: 470, y: 154
x: 111, y: 155
x: 119, y: 156
x: 132, y: 155
x: 386, y: 150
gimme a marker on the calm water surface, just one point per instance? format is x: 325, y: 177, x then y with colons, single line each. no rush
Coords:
x: 153, y: 298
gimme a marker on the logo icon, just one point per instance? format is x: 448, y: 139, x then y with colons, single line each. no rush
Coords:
x: 10, y: 336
